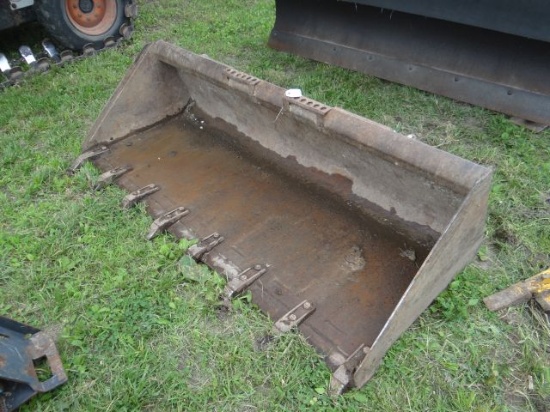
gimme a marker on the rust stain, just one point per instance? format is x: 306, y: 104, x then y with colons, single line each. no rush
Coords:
x: 272, y: 210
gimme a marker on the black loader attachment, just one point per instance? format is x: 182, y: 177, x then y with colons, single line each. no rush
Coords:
x: 491, y: 53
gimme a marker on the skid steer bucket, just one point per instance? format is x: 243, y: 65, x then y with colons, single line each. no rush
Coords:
x: 337, y: 225
x: 491, y: 53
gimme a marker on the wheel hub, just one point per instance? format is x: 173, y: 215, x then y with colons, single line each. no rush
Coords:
x: 92, y: 17
x: 86, y: 6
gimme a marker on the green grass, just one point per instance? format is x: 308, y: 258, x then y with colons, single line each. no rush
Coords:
x: 138, y: 324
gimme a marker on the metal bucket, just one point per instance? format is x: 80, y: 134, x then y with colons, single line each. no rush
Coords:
x: 338, y: 226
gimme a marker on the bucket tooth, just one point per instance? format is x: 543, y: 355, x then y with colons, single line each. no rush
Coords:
x: 205, y: 245
x: 138, y: 195
x: 342, y: 377
x: 244, y: 279
x: 109, y: 176
x: 162, y: 223
x: 294, y: 317
x: 87, y: 155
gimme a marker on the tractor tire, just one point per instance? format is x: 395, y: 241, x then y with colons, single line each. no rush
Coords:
x: 76, y: 23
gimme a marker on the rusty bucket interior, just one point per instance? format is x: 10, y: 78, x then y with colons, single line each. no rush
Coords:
x: 338, y: 226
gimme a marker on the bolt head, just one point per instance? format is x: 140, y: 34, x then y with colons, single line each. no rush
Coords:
x: 257, y: 267
x: 244, y: 277
x: 307, y: 305
x: 292, y: 317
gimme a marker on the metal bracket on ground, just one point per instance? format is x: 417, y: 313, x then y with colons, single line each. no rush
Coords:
x: 22, y: 346
x: 244, y: 279
x: 137, y: 195
x: 90, y: 154
x: 109, y: 176
x: 161, y: 223
x: 342, y: 377
x: 294, y: 317
x: 204, y: 246
x: 537, y: 287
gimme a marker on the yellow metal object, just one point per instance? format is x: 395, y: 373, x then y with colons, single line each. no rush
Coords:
x: 542, y: 291
x: 544, y: 284
x: 537, y: 287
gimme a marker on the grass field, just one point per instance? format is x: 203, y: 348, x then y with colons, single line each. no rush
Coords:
x: 136, y: 322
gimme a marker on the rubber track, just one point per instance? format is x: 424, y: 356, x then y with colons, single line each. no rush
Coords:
x: 43, y: 64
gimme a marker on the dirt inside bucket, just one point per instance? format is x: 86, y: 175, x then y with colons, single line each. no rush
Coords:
x: 352, y: 268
